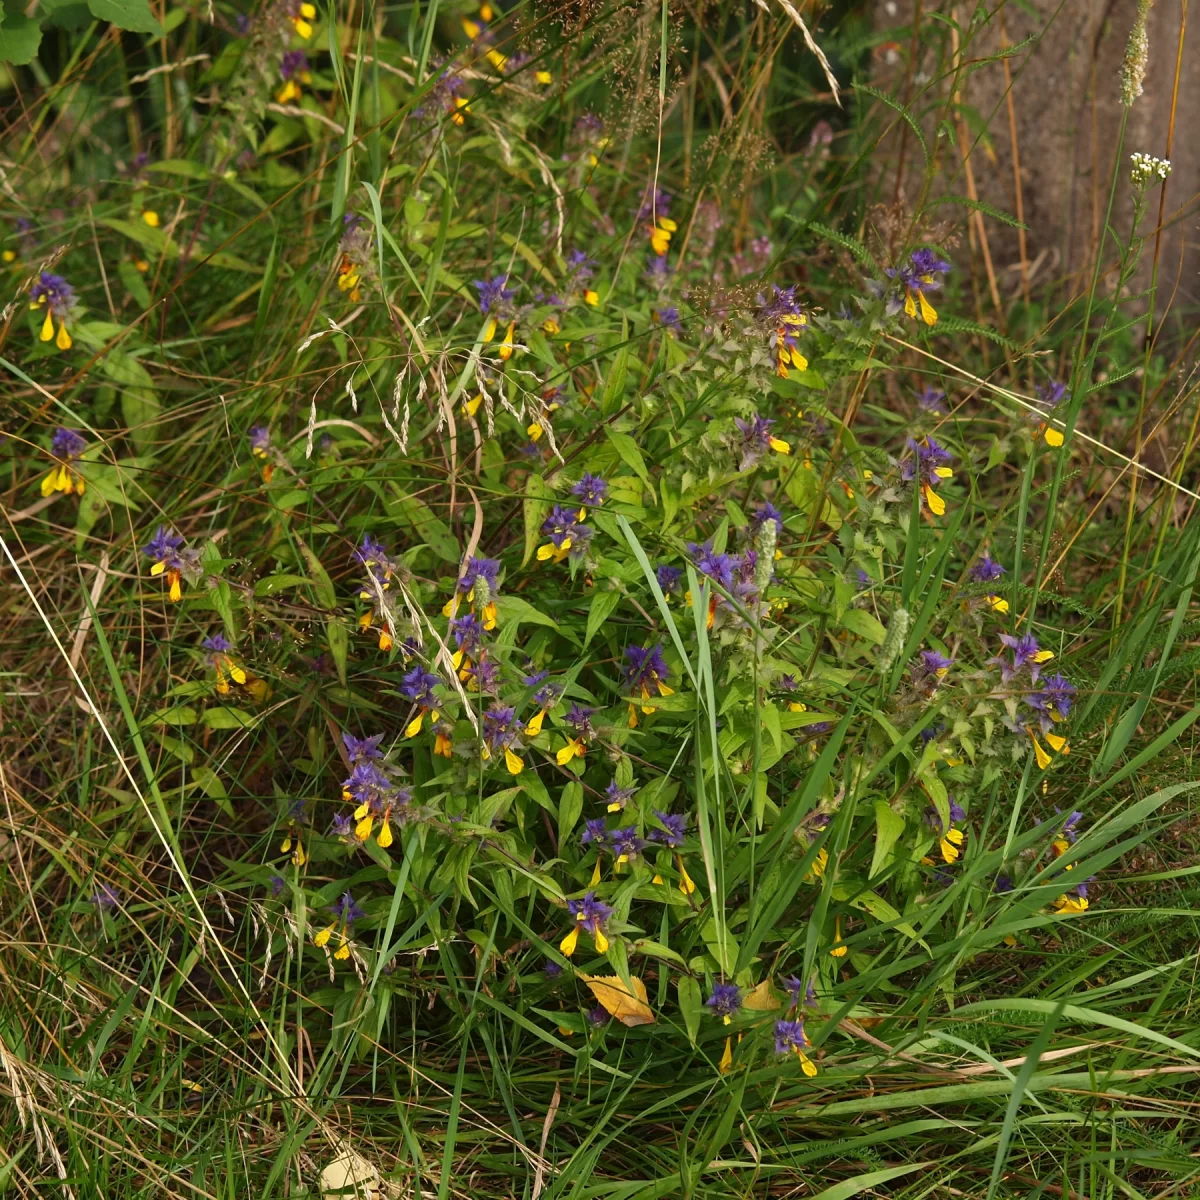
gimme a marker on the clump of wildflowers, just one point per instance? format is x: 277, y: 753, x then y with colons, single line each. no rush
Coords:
x: 786, y: 318
x: 294, y: 71
x: 617, y: 797
x: 546, y: 697
x: 495, y: 303
x: 218, y: 655
x: 916, y: 278
x: 293, y: 841
x: 302, y: 15
x: 591, y: 490
x: 950, y: 836
x: 790, y: 1037
x: 479, y: 585
x: 354, y: 256
x: 672, y: 836
x: 929, y: 669
x: 580, y: 269
x: 1147, y: 169
x: 646, y: 671
x: 261, y: 448
x: 376, y: 589
x: 566, y: 533
x: 926, y: 465
x: 654, y: 208
x: 668, y: 317
x: 170, y: 557
x: 932, y: 400
x: 579, y: 722
x: 378, y: 799
x: 1049, y: 397
x: 725, y: 1000
x: 417, y: 688
x: 54, y: 294
x: 500, y: 734
x: 66, y: 445
x: 757, y: 439
x: 341, y: 928
x: 590, y: 914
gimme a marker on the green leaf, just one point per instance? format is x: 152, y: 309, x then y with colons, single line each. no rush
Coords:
x: 426, y: 525
x: 889, y: 826
x: 535, y: 505
x: 868, y: 1182
x: 864, y: 625
x: 322, y: 584
x: 228, y: 718
x: 627, y: 448
x: 513, y: 610
x: 614, y: 385
x: 773, y: 724
x: 691, y: 1006
x: 339, y: 646
x: 271, y: 584
x: 134, y: 15
x: 210, y: 784
x: 20, y: 37
x: 185, y: 715
x: 135, y: 285
x: 603, y: 604
x: 722, y: 945
x: 570, y: 805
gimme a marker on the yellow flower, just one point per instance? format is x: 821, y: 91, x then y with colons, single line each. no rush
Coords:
x: 660, y: 235
x: 951, y: 844
x: 506, y: 346
x: 840, y: 949
x: 302, y: 22
x: 935, y: 503
x: 817, y: 870
x: 150, y: 217
x: 573, y: 749
x: 568, y: 944
x: 726, y: 1058
x: 543, y: 77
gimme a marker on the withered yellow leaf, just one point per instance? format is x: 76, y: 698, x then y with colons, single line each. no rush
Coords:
x: 630, y: 1008
x: 761, y: 998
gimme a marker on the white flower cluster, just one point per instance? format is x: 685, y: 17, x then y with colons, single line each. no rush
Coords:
x: 1147, y: 169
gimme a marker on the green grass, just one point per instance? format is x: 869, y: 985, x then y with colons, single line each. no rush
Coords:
x: 173, y: 1020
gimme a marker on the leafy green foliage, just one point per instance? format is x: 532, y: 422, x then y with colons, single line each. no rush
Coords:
x: 511, y: 666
